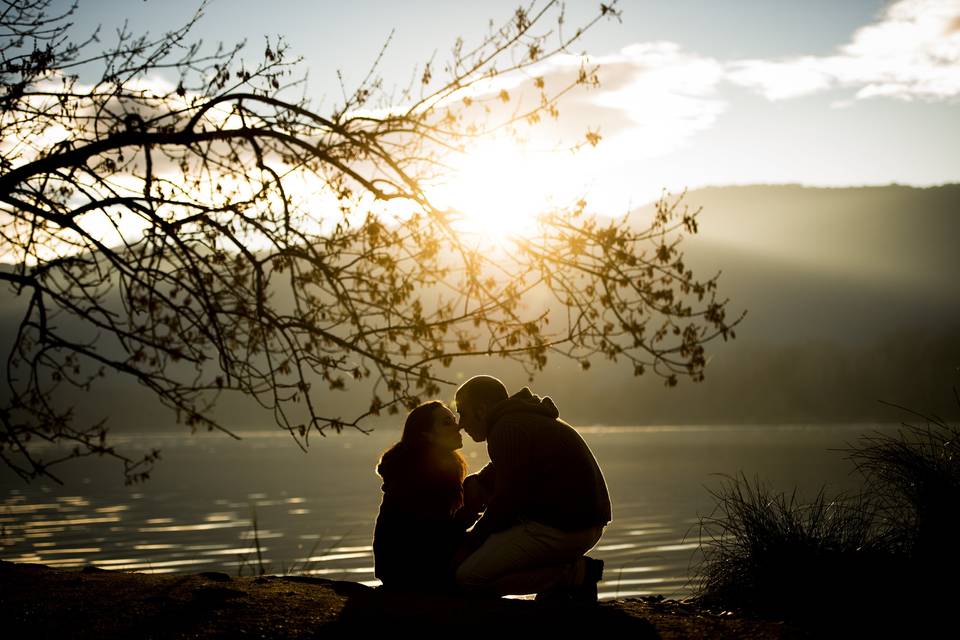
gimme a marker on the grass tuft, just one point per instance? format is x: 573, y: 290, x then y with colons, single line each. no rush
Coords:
x: 774, y: 554
x: 914, y: 479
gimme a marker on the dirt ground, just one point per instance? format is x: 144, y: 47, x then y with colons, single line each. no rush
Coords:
x: 41, y: 602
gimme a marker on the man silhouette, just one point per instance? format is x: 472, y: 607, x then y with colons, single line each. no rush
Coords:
x: 547, y: 499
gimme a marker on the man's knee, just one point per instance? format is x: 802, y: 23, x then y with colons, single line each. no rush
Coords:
x: 471, y: 574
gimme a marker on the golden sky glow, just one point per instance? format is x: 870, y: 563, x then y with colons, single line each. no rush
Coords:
x: 859, y: 93
x: 497, y: 189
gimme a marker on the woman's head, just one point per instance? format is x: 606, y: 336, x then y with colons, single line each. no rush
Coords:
x: 432, y: 423
x: 426, y: 459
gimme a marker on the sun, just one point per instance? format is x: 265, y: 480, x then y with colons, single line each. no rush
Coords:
x: 497, y: 189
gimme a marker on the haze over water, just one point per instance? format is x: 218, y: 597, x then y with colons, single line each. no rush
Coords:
x: 315, y: 511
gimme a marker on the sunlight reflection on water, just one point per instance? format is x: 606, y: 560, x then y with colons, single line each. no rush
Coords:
x: 315, y: 511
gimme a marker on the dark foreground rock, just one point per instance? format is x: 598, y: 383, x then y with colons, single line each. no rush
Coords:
x: 41, y: 602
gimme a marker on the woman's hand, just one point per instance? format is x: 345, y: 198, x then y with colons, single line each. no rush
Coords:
x: 470, y: 544
x: 474, y: 494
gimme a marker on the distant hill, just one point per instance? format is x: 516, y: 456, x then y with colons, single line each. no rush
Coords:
x: 847, y: 264
x: 852, y: 297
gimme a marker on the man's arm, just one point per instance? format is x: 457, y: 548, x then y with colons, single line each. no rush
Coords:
x: 511, y: 485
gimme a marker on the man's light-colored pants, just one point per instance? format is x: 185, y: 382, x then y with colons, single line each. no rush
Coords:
x: 529, y: 557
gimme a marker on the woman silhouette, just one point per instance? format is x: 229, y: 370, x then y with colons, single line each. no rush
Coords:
x: 422, y: 517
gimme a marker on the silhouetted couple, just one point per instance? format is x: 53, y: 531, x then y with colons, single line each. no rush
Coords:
x: 536, y: 509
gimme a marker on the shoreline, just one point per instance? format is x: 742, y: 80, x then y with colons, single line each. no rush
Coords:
x: 41, y: 601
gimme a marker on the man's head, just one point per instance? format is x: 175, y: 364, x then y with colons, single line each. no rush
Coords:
x: 475, y: 398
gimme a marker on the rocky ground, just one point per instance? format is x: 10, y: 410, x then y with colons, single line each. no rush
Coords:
x: 38, y: 601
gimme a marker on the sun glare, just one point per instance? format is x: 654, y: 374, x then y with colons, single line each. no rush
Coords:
x: 497, y: 190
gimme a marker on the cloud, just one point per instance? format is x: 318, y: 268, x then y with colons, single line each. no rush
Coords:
x: 652, y: 98
x: 657, y: 98
x: 655, y: 92
x: 664, y: 97
x: 911, y: 52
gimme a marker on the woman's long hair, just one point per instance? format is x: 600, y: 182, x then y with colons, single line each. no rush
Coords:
x: 416, y: 462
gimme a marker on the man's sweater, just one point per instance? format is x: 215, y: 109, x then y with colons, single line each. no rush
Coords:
x: 542, y: 469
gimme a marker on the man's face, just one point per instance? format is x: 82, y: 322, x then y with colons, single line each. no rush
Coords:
x: 471, y: 419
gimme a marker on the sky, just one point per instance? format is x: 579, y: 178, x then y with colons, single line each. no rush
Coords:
x: 693, y: 92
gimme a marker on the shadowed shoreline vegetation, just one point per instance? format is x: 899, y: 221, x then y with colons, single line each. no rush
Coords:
x: 847, y: 557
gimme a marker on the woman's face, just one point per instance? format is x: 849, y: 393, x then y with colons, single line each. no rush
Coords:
x: 445, y: 432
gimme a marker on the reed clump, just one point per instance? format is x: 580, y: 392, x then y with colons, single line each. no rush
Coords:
x: 775, y: 554
x: 881, y: 550
x: 913, y: 477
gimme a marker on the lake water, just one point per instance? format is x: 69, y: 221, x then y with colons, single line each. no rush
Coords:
x: 315, y: 510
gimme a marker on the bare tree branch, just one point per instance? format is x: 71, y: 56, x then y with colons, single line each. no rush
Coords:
x: 217, y: 235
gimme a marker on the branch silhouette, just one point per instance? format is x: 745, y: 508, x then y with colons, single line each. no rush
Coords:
x: 216, y: 235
